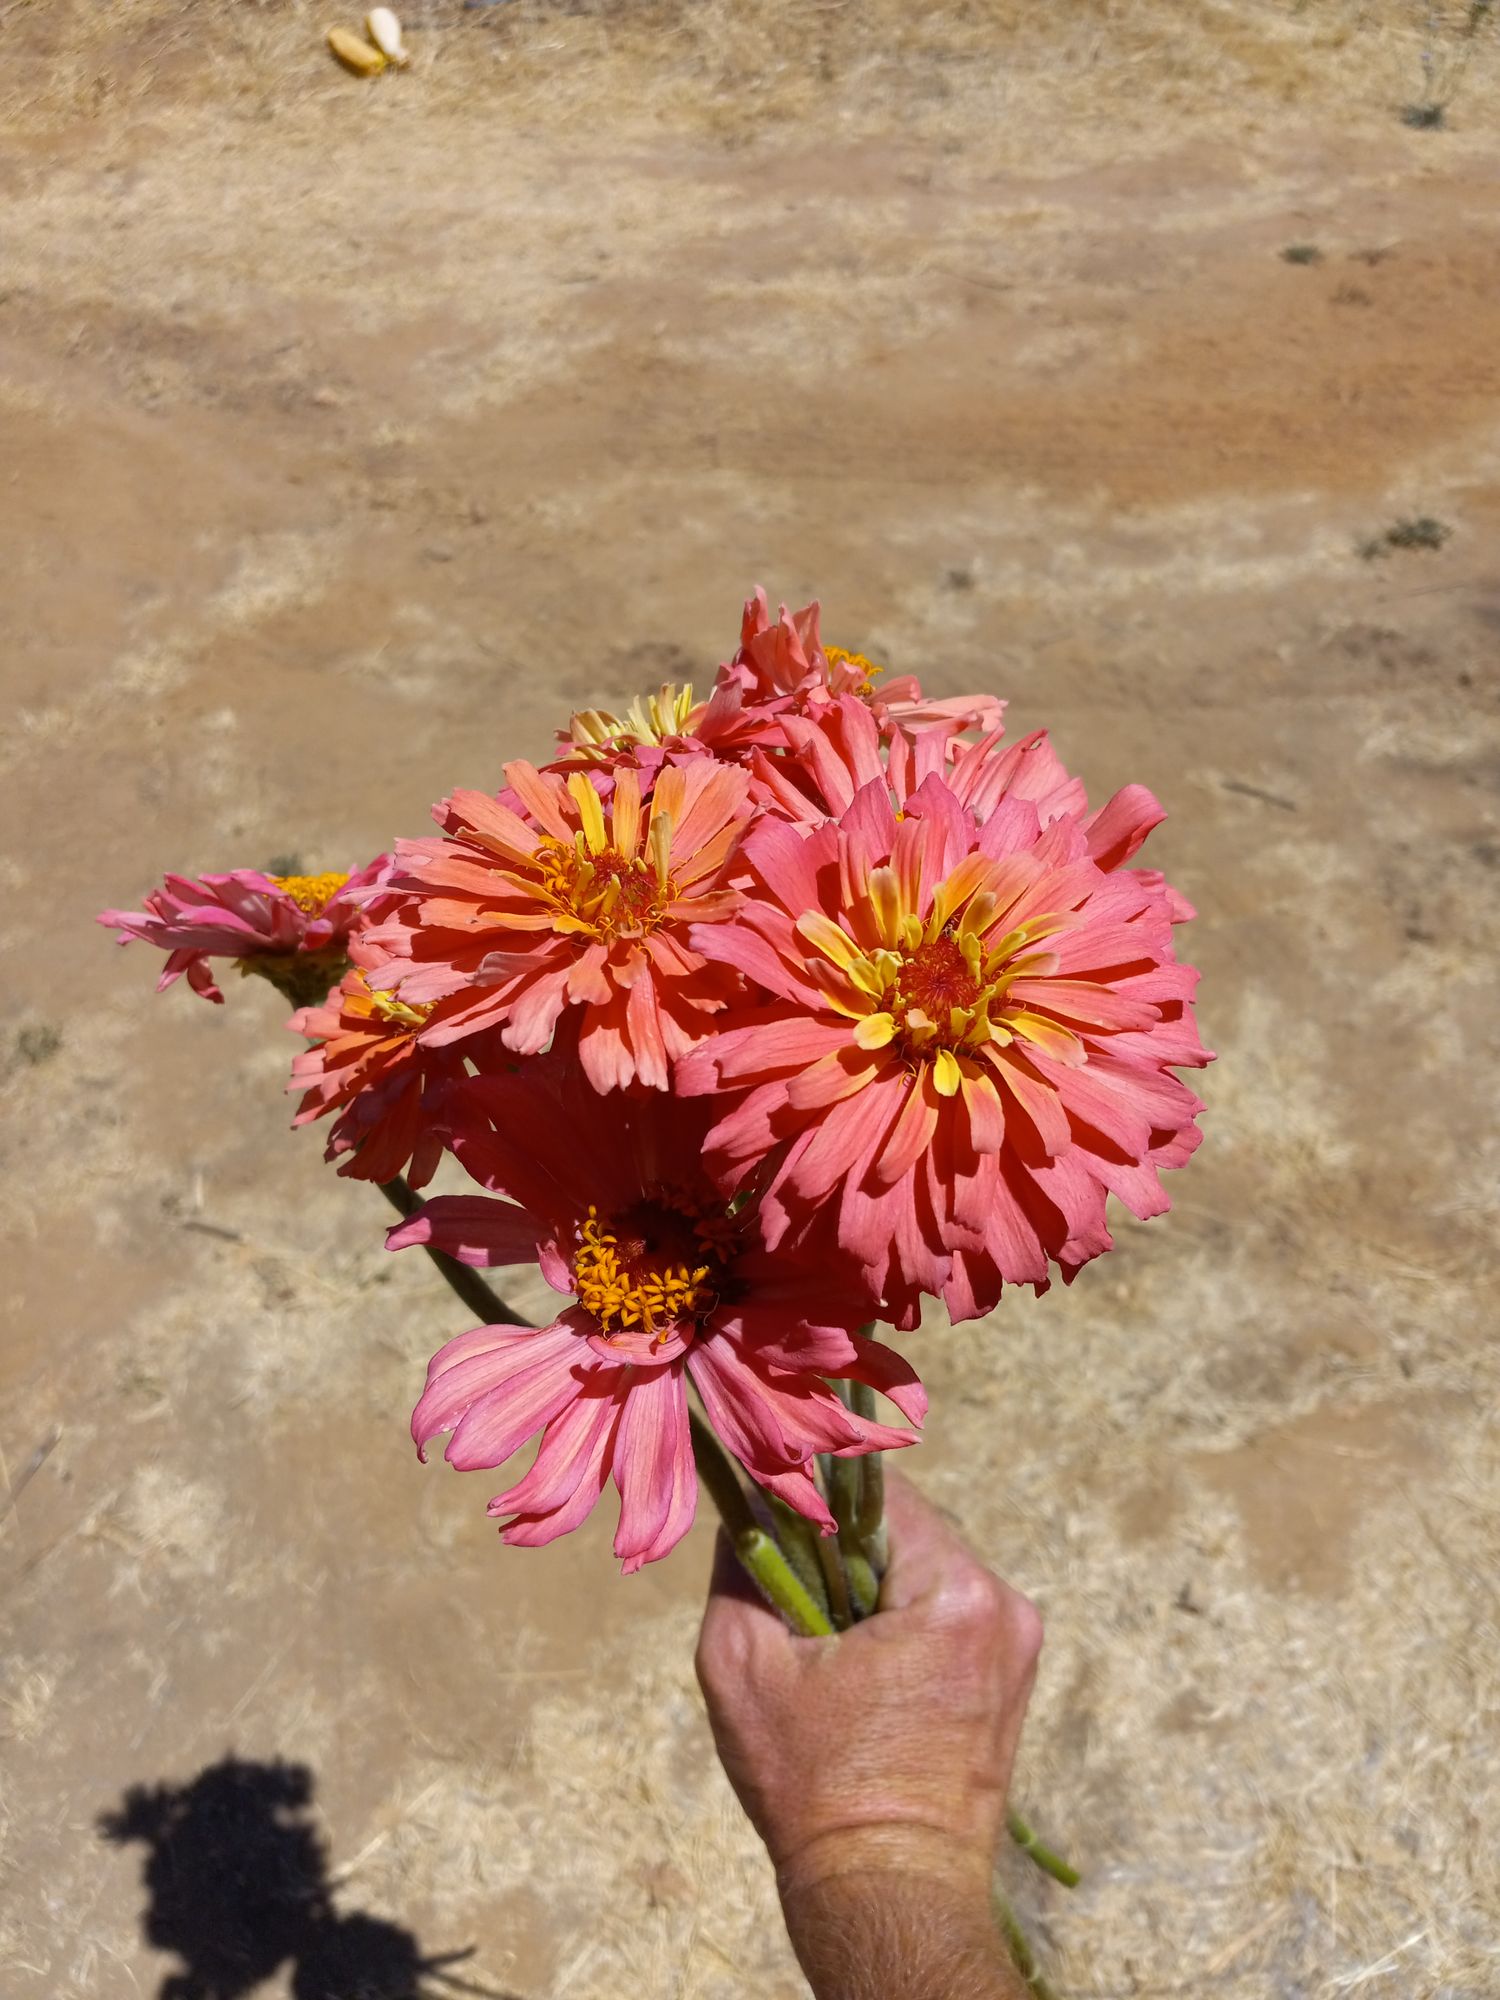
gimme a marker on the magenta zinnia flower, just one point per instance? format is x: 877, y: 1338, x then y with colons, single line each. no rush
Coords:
x: 970, y: 1043
x: 608, y: 1195
x: 562, y: 900
x: 289, y: 928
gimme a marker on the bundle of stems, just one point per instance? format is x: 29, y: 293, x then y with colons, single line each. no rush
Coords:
x: 820, y: 1584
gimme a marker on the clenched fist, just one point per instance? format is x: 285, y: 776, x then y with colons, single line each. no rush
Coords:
x: 875, y: 1765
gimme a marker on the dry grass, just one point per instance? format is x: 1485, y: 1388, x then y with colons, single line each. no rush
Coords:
x: 838, y: 69
x: 353, y: 434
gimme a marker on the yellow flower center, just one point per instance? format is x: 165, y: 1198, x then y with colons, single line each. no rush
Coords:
x: 939, y: 987
x: 608, y: 895
x: 652, y: 718
x: 608, y: 882
x: 652, y: 1267
x: 309, y: 892
x: 855, y: 664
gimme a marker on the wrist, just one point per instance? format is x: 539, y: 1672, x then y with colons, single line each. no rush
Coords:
x: 893, y: 1928
x: 845, y: 1859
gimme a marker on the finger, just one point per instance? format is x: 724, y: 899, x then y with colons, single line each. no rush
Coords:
x: 729, y: 1578
x: 924, y: 1547
x: 739, y: 1628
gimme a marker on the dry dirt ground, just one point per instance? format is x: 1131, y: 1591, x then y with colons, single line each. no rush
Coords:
x: 349, y: 435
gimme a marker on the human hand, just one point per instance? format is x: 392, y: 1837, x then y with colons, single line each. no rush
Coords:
x: 875, y: 1766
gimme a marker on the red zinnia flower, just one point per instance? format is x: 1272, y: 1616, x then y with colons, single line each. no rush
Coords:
x: 971, y: 1041
x: 665, y: 1282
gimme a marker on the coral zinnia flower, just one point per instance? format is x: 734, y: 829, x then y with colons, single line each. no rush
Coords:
x: 609, y: 1197
x: 288, y: 928
x: 371, y: 1062
x: 836, y: 752
x: 781, y: 678
x: 783, y: 667
x: 972, y: 1045
x: 563, y: 900
x: 652, y: 725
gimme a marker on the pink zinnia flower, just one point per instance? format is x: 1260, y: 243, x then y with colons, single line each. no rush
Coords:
x: 566, y: 901
x: 371, y: 1063
x: 970, y: 1044
x: 289, y: 928
x: 608, y: 1195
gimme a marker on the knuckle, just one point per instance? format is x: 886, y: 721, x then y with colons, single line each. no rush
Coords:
x: 722, y: 1658
x: 709, y: 1663
x: 983, y: 1606
x: 975, y: 1599
x: 1026, y: 1628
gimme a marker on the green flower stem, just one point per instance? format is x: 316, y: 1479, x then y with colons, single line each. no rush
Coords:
x: 869, y: 1514
x: 302, y: 978
x: 719, y: 1478
x: 764, y: 1561
x: 864, y: 1584
x: 843, y: 1494
x: 481, y: 1298
x: 1049, y: 1863
x: 877, y: 1548
x: 777, y: 1579
x: 843, y: 1501
x: 1019, y: 1946
x: 835, y: 1583
x: 799, y: 1538
x: 847, y: 1485
x: 869, y: 1517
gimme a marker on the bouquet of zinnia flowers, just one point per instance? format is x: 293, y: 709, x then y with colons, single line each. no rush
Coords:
x: 757, y: 1020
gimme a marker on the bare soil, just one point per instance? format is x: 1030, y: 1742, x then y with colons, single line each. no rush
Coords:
x: 351, y: 434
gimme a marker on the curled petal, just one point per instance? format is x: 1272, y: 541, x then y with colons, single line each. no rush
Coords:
x: 471, y: 1228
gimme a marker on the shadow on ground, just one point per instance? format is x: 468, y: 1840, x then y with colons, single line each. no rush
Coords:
x: 236, y: 1877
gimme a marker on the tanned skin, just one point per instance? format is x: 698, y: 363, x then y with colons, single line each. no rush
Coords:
x: 875, y: 1766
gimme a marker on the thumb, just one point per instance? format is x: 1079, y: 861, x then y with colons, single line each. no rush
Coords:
x: 924, y: 1548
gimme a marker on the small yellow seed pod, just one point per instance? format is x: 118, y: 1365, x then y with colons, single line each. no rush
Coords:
x: 355, y: 55
x: 384, y: 31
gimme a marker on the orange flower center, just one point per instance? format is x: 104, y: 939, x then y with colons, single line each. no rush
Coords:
x: 309, y: 892
x: 936, y: 977
x: 606, y: 895
x: 638, y: 900
x: 651, y: 1267
x: 936, y: 987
